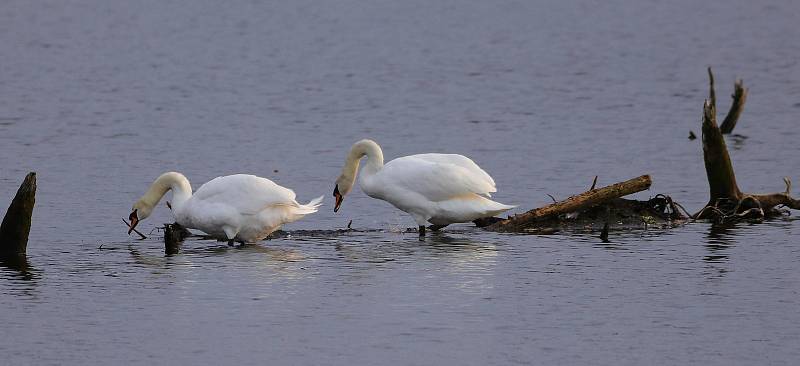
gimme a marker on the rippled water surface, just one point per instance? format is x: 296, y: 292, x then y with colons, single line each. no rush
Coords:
x: 100, y: 97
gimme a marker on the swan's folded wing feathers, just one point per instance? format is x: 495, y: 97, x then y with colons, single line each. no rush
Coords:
x: 248, y: 194
x: 436, y: 181
x: 461, y: 161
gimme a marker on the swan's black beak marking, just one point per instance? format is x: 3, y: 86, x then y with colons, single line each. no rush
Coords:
x: 134, y: 218
x: 339, y: 198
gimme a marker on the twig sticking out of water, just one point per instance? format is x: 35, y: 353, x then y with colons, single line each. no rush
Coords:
x: 134, y: 230
x: 604, y: 233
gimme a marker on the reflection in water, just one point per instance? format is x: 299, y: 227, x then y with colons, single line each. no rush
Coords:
x: 271, y: 260
x: 608, y: 245
x: 450, y: 255
x: 380, y: 247
x: 472, y: 263
x: 271, y: 252
x: 737, y: 141
x: 719, y: 241
x: 19, y: 264
x: 275, y: 254
x: 445, y: 242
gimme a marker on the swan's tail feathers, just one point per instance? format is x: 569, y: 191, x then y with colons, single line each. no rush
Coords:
x: 468, y: 208
x: 310, y: 207
x: 498, y: 208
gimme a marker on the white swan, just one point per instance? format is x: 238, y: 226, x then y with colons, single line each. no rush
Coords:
x: 239, y: 207
x: 437, y: 188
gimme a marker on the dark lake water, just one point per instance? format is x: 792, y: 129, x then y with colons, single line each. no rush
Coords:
x: 100, y: 97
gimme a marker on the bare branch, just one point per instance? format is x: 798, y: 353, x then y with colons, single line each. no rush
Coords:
x: 134, y: 230
x: 739, y: 97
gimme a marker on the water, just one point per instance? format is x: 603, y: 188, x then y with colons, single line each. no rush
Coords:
x: 100, y: 97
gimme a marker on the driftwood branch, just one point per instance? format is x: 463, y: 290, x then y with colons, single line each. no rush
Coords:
x: 573, y: 204
x: 739, y: 97
x: 17, y: 222
x: 776, y: 199
x: 726, y: 201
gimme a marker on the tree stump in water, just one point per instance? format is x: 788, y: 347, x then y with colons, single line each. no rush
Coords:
x: 726, y: 201
x: 17, y: 222
x: 173, y: 238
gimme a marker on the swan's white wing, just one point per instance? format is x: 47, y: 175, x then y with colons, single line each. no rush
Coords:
x: 247, y: 194
x: 463, y: 162
x: 437, y: 178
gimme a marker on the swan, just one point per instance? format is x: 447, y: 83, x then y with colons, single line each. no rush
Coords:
x: 440, y: 189
x: 240, y: 207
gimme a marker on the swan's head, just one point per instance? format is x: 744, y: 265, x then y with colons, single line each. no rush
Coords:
x: 343, y: 186
x: 140, y: 211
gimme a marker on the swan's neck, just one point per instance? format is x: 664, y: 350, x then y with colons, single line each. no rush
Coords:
x: 372, y: 151
x: 374, y: 163
x: 176, y: 182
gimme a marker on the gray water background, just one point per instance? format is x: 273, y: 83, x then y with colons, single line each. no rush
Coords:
x: 100, y: 97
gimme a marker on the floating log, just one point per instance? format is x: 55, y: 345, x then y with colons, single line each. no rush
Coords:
x: 580, y: 202
x: 17, y: 222
x: 726, y: 201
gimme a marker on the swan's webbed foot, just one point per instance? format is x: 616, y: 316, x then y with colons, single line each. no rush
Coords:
x: 436, y: 227
x: 230, y: 243
x: 422, y: 231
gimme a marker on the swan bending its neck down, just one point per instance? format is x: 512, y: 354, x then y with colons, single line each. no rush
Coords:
x: 239, y: 207
x: 440, y: 189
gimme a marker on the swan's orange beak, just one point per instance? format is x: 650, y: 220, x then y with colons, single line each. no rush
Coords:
x: 339, y: 198
x: 134, y: 221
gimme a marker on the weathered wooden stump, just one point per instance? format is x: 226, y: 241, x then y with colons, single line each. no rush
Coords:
x: 17, y: 222
x: 726, y: 201
x: 173, y: 238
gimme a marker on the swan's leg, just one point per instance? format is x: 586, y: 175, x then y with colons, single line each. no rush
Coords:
x: 230, y: 233
x: 436, y: 227
x: 421, y: 221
